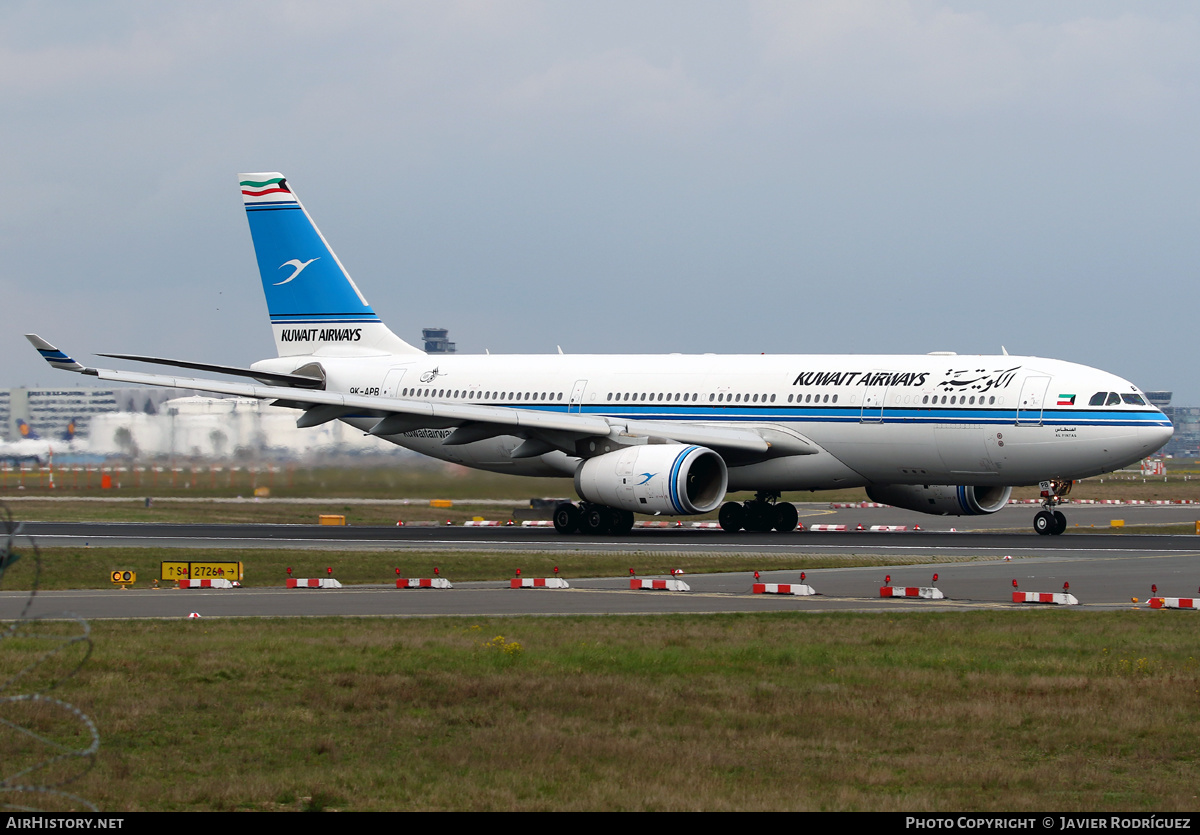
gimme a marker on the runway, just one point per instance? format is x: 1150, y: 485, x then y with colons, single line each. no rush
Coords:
x: 1104, y: 571
x: 1006, y: 532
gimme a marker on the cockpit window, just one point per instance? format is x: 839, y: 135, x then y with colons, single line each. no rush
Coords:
x: 1114, y: 399
x: 1133, y: 399
x: 1098, y: 398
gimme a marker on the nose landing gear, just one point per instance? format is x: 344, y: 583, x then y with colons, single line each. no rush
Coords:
x: 1048, y: 521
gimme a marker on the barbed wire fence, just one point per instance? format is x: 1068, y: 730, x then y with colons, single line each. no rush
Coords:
x: 46, y: 744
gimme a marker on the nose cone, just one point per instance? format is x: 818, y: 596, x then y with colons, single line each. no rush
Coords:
x: 1155, y: 437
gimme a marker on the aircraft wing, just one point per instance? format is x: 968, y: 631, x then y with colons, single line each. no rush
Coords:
x: 472, y: 422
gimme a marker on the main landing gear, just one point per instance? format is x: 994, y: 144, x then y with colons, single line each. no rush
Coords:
x: 761, y: 514
x: 1048, y: 521
x: 593, y: 519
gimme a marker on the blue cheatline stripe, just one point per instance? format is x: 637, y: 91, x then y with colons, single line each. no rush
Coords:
x: 54, y: 355
x: 832, y: 415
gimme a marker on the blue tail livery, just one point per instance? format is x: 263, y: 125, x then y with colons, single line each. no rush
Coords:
x: 315, y: 306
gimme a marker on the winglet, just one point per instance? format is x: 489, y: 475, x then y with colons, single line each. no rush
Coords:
x: 52, y: 355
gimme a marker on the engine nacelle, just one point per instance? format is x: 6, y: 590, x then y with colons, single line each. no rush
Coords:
x: 674, y: 479
x: 942, y: 499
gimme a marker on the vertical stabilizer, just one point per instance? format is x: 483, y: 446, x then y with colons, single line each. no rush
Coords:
x: 315, y: 306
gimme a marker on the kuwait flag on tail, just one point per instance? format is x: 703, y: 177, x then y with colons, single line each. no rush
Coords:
x: 1066, y: 400
x: 258, y: 188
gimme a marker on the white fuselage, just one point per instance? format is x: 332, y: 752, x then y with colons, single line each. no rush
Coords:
x: 926, y: 419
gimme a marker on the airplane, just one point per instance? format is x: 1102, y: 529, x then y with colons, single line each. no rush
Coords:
x: 672, y: 435
x: 32, y: 447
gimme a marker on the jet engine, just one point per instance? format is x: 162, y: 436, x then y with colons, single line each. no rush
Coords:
x: 942, y: 499
x: 675, y: 479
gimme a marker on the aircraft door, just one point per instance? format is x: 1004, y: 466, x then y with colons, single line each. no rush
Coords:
x: 872, y: 406
x: 391, y: 383
x: 1031, y: 401
x: 576, y: 403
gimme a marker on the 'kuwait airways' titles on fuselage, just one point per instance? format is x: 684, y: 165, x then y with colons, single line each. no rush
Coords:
x: 850, y: 378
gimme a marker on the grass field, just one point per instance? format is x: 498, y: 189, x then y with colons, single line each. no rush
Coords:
x: 989, y: 710
x: 1011, y: 711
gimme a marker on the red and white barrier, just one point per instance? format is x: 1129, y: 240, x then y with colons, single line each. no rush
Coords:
x: 480, y: 523
x: 537, y: 524
x: 658, y: 524
x: 783, y: 588
x: 706, y: 524
x: 637, y: 584
x: 537, y: 583
x: 856, y: 504
x: 827, y: 527
x: 323, y: 583
x: 1174, y: 603
x: 205, y: 584
x: 889, y: 528
x: 1059, y: 598
x: 424, y: 583
x: 924, y: 592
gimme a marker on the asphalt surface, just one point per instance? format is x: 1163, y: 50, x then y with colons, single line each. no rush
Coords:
x: 1104, y: 571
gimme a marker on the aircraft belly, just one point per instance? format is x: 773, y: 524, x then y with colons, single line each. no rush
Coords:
x: 885, y: 453
x: 970, y: 450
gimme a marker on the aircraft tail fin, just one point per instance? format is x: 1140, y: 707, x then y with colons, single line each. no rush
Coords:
x: 26, y: 431
x: 315, y: 307
x: 69, y: 433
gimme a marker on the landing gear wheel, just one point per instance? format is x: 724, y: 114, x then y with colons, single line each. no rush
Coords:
x: 595, y: 521
x: 786, y: 517
x: 1060, y: 523
x: 566, y: 518
x: 620, y: 522
x: 1043, y: 523
x: 760, y: 517
x: 731, y: 517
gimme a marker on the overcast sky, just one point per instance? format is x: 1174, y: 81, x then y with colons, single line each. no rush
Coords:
x: 797, y: 177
